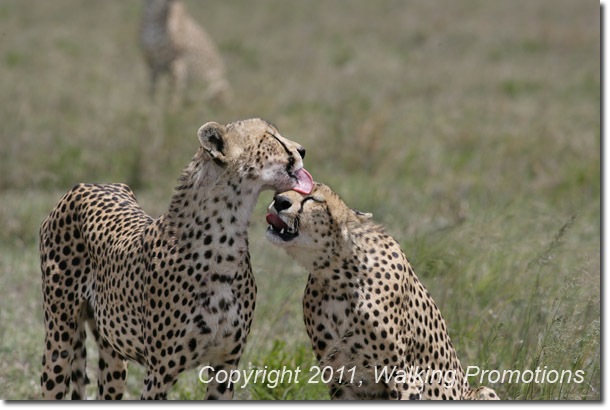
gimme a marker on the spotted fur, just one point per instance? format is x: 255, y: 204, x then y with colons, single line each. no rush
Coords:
x: 171, y: 293
x: 363, y: 304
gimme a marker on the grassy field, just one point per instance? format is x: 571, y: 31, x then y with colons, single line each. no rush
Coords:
x: 470, y: 128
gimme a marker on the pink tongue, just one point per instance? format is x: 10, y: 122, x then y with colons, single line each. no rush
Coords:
x: 276, y: 221
x: 304, y: 182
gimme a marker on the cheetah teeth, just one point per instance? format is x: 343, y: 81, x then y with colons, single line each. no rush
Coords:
x: 284, y: 232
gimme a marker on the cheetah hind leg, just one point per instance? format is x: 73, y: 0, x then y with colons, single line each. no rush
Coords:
x: 55, y: 379
x: 112, y: 370
x: 63, y: 356
x: 79, y: 363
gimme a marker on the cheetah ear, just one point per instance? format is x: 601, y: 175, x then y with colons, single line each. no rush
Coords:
x: 212, y: 138
x: 363, y: 216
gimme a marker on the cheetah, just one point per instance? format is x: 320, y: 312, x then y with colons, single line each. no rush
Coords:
x: 363, y: 306
x: 172, y: 42
x: 170, y: 293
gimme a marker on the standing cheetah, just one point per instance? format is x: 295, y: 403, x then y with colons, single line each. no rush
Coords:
x: 364, y: 306
x: 174, y: 43
x: 170, y: 293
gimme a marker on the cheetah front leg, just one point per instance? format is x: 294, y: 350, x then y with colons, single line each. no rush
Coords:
x: 412, y: 390
x: 157, y: 383
x: 227, y: 360
x: 112, y: 374
x: 217, y: 390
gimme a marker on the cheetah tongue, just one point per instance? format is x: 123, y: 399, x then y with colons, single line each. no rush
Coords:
x: 276, y: 222
x: 304, y: 182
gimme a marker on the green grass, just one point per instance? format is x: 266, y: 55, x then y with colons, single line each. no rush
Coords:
x: 470, y: 129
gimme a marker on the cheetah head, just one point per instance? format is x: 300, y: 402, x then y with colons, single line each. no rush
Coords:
x: 312, y: 224
x: 254, y: 151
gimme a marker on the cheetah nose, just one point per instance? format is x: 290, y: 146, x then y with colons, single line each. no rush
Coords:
x: 301, y: 152
x: 281, y: 203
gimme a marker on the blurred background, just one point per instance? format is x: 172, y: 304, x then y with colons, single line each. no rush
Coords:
x: 470, y: 128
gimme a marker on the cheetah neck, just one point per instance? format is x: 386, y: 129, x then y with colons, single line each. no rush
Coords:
x: 374, y: 249
x: 347, y: 243
x: 359, y: 250
x: 210, y: 202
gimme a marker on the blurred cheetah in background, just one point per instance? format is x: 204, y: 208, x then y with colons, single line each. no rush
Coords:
x: 364, y: 307
x: 174, y: 43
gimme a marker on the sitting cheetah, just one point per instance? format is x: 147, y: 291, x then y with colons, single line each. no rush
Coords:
x: 364, y: 306
x: 170, y: 293
x: 174, y: 43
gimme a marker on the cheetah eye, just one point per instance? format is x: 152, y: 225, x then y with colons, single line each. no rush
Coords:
x: 312, y: 198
